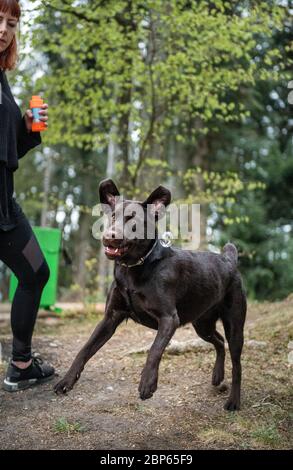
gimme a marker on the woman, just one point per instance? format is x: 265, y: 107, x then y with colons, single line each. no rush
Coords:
x: 19, y: 249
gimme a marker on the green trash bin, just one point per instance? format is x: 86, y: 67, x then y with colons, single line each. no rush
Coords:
x: 49, y: 240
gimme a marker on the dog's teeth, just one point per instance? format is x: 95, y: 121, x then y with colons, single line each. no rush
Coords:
x: 116, y: 251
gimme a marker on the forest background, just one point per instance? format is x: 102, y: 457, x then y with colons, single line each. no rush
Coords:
x: 194, y: 95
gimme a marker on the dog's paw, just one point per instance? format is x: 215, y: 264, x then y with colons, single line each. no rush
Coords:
x: 65, y: 385
x: 218, y: 376
x: 232, y: 404
x: 147, y: 386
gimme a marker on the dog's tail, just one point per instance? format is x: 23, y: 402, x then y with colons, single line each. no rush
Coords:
x: 231, y: 254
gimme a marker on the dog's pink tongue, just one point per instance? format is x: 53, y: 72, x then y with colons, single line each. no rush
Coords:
x: 112, y: 251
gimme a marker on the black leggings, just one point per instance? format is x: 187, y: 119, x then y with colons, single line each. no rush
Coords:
x: 20, y: 251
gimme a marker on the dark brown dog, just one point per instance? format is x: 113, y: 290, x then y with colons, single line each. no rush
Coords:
x: 164, y: 288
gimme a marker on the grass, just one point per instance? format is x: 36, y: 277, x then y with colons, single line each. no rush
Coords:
x: 268, y: 435
x: 64, y: 427
x: 212, y: 436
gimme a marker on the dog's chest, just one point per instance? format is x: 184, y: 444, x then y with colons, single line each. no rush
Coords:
x: 137, y: 300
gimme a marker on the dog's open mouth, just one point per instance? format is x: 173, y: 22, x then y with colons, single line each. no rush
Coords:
x: 115, y: 252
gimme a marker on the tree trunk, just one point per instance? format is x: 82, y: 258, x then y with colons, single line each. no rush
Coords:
x: 104, y: 264
x: 46, y: 189
x: 82, y: 251
x: 83, y: 235
x: 200, y: 160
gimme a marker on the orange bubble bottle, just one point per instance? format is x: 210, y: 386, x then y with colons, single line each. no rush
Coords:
x: 36, y: 104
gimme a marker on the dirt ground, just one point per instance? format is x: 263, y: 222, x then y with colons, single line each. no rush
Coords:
x: 104, y: 411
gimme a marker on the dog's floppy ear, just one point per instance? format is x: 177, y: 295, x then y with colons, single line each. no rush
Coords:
x: 108, y: 191
x: 159, y: 199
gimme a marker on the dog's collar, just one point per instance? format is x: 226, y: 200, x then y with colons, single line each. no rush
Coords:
x: 141, y: 260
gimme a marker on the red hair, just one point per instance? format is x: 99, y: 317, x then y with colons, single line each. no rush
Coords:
x: 8, y: 58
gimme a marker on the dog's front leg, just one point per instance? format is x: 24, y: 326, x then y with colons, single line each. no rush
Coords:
x: 149, y: 377
x: 102, y: 333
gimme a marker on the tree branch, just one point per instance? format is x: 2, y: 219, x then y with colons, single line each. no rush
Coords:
x: 82, y: 16
x: 154, y: 116
x: 71, y: 11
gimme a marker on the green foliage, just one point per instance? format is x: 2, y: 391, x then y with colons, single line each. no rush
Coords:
x: 152, y: 64
x: 182, y: 91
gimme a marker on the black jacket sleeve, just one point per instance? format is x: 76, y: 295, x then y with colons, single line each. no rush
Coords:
x: 3, y: 134
x: 27, y: 140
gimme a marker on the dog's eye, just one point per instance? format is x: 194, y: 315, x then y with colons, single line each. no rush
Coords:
x: 113, y: 216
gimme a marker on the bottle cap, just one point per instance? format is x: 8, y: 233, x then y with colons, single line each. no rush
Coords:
x: 36, y: 102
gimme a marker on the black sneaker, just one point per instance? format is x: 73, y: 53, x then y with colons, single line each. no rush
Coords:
x: 19, y: 379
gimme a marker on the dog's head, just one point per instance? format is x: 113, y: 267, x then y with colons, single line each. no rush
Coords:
x: 131, y: 224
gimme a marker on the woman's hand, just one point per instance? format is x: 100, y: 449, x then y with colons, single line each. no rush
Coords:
x: 28, y: 117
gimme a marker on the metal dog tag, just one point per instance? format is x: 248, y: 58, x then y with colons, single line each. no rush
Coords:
x: 166, y: 239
